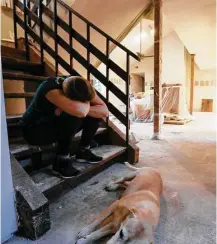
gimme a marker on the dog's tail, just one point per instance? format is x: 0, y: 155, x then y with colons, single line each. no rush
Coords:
x: 134, y: 168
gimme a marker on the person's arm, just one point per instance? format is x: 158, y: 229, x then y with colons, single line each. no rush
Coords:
x: 98, y: 108
x: 72, y: 107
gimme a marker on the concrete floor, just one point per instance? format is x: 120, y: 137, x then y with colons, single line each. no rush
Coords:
x: 186, y: 157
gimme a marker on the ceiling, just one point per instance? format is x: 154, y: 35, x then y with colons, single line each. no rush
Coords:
x: 194, y: 22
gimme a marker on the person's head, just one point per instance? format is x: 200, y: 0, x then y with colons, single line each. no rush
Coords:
x: 78, y: 88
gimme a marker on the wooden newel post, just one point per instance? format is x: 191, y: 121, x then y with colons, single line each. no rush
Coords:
x: 192, y: 85
x: 157, y: 66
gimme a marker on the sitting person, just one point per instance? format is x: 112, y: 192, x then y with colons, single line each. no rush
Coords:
x: 62, y: 106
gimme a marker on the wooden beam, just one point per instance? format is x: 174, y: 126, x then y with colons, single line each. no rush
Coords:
x: 157, y: 66
x: 192, y: 85
x: 145, y: 13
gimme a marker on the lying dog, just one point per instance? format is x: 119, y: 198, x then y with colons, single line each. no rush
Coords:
x: 135, y: 216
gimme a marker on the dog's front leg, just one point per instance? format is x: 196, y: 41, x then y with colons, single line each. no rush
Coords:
x: 91, y: 228
x: 115, y: 185
x: 96, y: 235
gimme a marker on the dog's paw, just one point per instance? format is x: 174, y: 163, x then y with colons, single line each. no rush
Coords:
x: 84, y: 232
x: 111, y: 187
x: 82, y: 241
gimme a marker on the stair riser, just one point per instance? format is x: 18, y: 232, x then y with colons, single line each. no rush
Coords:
x: 14, y: 132
x: 31, y: 68
x: 12, y: 52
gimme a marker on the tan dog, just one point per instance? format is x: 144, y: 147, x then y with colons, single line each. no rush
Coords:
x: 135, y: 216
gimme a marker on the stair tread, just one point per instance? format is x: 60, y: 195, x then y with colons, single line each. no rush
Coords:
x: 21, y: 148
x: 22, y: 76
x: 13, y: 117
x: 45, y: 180
x: 19, y: 61
x: 19, y: 95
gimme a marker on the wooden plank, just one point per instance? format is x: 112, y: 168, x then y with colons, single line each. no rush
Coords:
x: 157, y: 66
x: 13, y: 118
x: 19, y: 95
x: 25, y: 77
x: 21, y: 65
x: 176, y: 122
x: 192, y: 84
x: 13, y: 52
x: 47, y: 183
x: 32, y: 205
x: 207, y: 105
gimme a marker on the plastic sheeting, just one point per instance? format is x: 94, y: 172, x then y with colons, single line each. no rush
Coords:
x: 173, y: 105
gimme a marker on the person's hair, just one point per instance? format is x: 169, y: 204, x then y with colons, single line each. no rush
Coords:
x: 80, y: 89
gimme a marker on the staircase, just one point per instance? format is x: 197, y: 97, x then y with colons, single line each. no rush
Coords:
x: 34, y: 183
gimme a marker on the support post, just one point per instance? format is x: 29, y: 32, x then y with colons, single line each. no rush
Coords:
x: 157, y: 66
x: 192, y: 85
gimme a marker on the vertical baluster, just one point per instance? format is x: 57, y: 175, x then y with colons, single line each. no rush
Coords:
x: 56, y: 36
x: 29, y: 19
x: 41, y: 32
x: 70, y: 38
x: 88, y: 51
x: 25, y: 29
x: 127, y: 93
x: 107, y: 74
x: 15, y: 23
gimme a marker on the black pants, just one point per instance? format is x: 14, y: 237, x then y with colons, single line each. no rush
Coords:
x: 61, y: 129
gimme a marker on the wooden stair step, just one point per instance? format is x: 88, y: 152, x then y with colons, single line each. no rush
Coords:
x: 13, y: 118
x: 19, y: 95
x: 21, y: 149
x: 13, y: 52
x: 22, y: 76
x: 22, y: 65
x: 48, y: 183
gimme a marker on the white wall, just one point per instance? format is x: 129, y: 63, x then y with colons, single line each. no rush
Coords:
x: 173, y: 62
x: 205, y: 87
x: 8, y: 214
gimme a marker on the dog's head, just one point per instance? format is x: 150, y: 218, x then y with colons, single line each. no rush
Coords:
x: 135, y: 229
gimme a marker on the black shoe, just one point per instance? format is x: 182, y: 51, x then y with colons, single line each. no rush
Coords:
x: 93, y: 144
x: 86, y: 156
x: 63, y: 167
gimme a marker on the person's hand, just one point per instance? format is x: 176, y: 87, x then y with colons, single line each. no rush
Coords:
x: 58, y: 111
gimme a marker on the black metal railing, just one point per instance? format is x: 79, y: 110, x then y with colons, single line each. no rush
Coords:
x: 37, y: 18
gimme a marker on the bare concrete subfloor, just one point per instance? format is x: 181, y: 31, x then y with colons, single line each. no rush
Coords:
x: 186, y: 157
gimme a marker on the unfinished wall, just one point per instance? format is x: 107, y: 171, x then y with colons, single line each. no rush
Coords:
x: 173, y: 63
x: 7, y: 25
